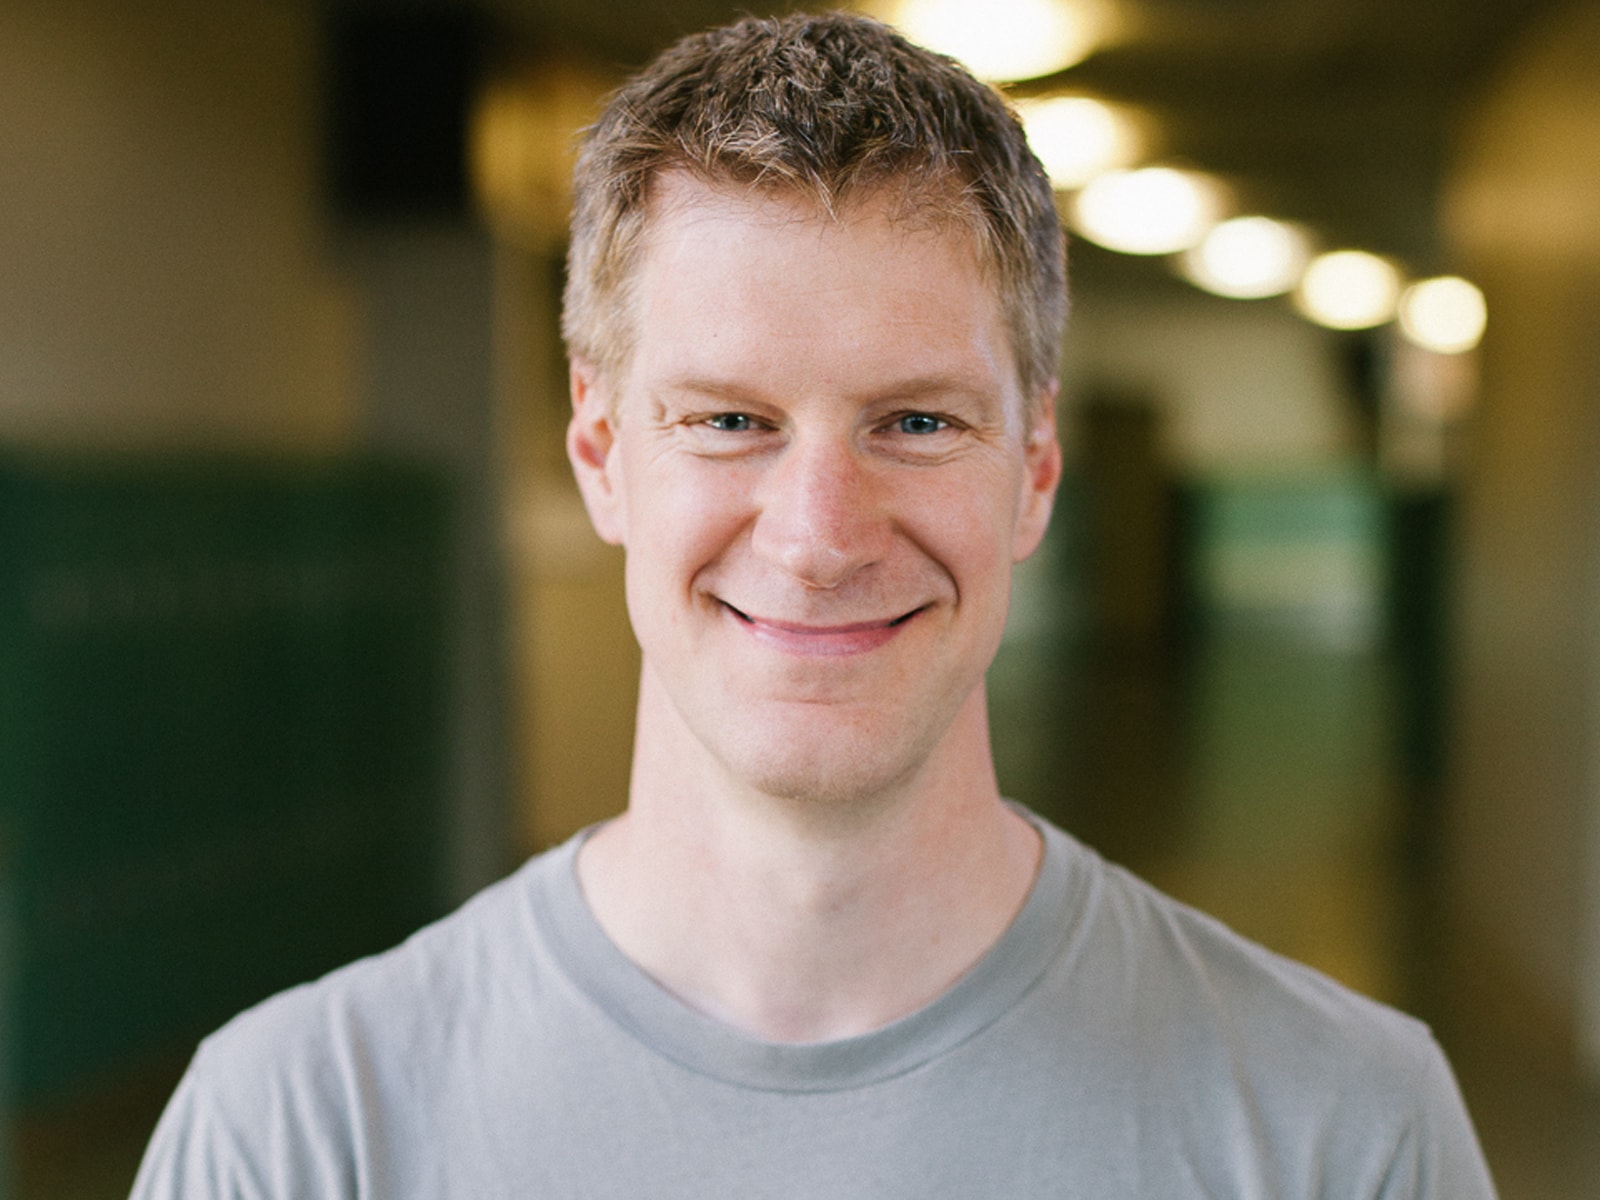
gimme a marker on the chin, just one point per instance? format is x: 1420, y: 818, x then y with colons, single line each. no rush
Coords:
x: 804, y: 784
x: 832, y: 769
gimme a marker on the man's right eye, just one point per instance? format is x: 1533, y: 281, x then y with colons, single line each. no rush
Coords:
x: 733, y: 422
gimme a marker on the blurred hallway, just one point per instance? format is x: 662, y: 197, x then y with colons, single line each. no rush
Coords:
x: 185, y: 283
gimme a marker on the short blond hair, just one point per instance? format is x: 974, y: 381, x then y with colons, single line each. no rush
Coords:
x: 835, y: 107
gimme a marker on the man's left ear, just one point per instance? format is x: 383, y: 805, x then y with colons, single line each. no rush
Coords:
x: 1041, y: 475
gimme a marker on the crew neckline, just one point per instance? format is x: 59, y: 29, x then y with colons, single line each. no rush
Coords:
x: 665, y: 1024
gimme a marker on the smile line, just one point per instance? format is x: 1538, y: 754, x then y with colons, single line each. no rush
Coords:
x: 821, y: 630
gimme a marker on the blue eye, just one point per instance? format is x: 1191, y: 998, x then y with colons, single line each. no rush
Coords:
x: 732, y: 422
x: 920, y: 423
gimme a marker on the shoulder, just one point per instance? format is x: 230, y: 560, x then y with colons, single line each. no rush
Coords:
x: 282, y: 1095
x: 1246, y: 1066
x: 456, y: 960
x: 1206, y: 999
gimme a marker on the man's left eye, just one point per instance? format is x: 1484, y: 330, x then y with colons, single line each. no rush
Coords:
x: 920, y: 423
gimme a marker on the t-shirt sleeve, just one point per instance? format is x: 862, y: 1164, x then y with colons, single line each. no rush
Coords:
x: 251, y: 1120
x: 1438, y: 1156
x: 192, y: 1155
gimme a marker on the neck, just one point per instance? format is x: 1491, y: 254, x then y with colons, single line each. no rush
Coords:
x: 806, y: 922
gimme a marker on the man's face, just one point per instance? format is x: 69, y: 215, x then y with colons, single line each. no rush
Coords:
x: 818, y: 462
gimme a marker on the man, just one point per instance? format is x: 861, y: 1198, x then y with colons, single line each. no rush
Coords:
x: 815, y: 296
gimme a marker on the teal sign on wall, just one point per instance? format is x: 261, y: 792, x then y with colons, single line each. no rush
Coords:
x: 220, y: 714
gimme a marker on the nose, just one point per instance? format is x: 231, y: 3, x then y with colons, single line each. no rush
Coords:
x: 821, y: 517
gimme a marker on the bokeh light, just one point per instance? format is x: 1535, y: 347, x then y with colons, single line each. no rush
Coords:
x: 1153, y: 210
x: 1077, y: 137
x: 1002, y: 40
x: 1248, y: 258
x: 1446, y: 315
x: 1349, y: 289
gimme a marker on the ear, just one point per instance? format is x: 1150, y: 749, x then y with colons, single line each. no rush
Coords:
x: 1041, y: 474
x: 592, y: 450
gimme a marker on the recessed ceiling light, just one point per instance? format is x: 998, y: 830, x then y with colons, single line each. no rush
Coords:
x: 1154, y: 210
x: 1247, y: 258
x: 1446, y: 315
x: 1349, y: 289
x: 1077, y: 137
x: 1002, y: 40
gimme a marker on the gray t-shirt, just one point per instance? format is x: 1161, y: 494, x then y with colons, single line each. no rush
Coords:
x: 1113, y: 1043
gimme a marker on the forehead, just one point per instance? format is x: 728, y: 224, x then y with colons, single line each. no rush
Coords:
x: 678, y: 201
x: 743, y: 273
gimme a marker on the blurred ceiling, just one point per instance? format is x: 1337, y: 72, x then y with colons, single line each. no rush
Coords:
x: 1339, y: 113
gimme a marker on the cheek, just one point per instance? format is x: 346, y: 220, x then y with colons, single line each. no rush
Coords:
x: 681, y: 515
x: 970, y: 531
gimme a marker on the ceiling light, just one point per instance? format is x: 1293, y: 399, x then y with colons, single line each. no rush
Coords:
x: 1154, y: 210
x: 1247, y: 258
x: 1445, y: 315
x: 1077, y: 138
x: 1349, y: 289
x: 1002, y: 40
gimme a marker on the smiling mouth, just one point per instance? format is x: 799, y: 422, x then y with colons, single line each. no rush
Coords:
x: 824, y: 640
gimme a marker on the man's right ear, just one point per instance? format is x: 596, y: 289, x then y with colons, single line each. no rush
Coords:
x: 592, y: 450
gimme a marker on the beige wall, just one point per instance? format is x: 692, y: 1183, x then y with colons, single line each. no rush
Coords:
x: 164, y: 281
x: 578, y: 670
x: 1240, y: 384
x: 1525, y: 215
x: 575, y: 664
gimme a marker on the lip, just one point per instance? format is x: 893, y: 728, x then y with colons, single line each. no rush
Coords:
x: 823, y: 641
